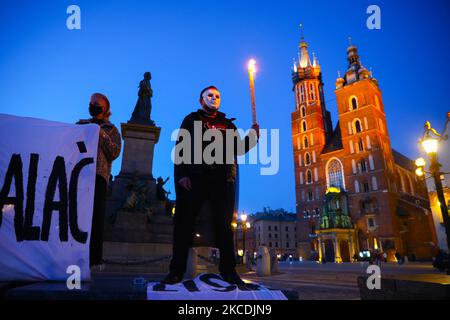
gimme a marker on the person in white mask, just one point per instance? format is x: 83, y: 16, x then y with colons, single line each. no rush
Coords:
x: 196, y: 183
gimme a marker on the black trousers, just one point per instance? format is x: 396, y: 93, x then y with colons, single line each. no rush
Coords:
x: 98, y: 218
x: 220, y: 195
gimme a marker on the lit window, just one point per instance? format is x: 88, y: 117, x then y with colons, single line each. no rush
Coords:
x: 335, y: 174
x: 304, y: 127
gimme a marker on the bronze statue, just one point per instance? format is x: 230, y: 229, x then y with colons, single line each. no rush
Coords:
x: 161, y: 193
x: 143, y: 108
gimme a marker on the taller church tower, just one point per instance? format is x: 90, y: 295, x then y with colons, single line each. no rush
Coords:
x: 311, y: 129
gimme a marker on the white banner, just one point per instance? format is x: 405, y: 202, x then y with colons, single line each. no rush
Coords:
x: 47, y: 182
x: 210, y: 286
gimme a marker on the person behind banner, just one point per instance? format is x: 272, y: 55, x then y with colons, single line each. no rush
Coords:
x: 216, y: 183
x: 109, y: 145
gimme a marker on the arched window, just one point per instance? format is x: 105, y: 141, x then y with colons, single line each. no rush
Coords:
x: 304, y: 127
x: 335, y: 174
x: 362, y: 166
x: 353, y: 103
x: 303, y: 108
x: 357, y: 126
x: 309, y: 177
x: 360, y: 145
x: 302, y: 93
x: 305, y: 142
x: 307, y: 159
x: 312, y: 95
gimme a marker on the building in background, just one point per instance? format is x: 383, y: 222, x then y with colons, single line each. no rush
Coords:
x: 354, y: 192
x: 275, y: 229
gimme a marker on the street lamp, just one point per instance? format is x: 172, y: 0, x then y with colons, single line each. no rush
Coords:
x: 430, y: 142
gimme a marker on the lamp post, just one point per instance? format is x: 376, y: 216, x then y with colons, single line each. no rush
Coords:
x: 430, y: 142
x: 244, y: 225
x: 234, y: 226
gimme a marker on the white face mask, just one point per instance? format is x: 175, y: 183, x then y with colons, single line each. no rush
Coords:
x: 211, y: 98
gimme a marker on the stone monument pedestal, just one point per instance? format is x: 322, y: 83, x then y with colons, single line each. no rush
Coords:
x: 137, y: 226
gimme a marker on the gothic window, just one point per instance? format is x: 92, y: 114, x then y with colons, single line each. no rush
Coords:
x: 335, y: 174
x: 305, y: 142
x: 311, y: 92
x: 309, y: 178
x: 302, y: 93
x: 353, y: 103
x: 303, y: 111
x: 307, y: 159
x: 362, y: 165
x: 310, y: 196
x: 360, y: 145
x: 304, y: 126
x: 358, y: 127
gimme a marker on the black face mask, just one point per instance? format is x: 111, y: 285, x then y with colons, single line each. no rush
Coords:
x: 95, y: 109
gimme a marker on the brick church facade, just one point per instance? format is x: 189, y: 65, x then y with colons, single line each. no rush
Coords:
x: 354, y: 191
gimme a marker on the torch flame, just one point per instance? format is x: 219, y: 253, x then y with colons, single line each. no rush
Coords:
x: 251, y: 66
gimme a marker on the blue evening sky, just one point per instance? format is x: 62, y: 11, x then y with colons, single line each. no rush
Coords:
x: 49, y: 72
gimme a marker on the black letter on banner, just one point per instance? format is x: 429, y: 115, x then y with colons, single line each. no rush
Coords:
x: 190, y: 286
x: 31, y: 232
x: 14, y: 170
x: 58, y: 176
x: 206, y: 278
x: 77, y: 234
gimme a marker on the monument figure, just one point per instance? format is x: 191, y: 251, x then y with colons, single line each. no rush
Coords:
x: 143, y: 108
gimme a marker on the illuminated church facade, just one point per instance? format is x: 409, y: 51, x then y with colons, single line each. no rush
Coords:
x: 354, y: 192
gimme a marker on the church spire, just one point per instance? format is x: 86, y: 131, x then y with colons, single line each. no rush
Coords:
x: 305, y: 61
